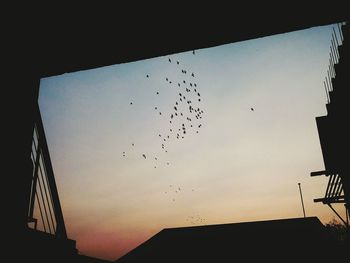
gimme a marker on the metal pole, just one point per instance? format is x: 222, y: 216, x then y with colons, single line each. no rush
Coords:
x: 302, y: 201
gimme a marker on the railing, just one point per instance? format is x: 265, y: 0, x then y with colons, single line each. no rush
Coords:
x: 44, y: 213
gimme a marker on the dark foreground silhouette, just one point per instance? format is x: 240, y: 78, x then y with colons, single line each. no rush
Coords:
x: 286, y: 240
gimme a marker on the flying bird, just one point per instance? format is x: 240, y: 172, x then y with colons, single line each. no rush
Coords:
x: 169, y: 60
x: 147, y: 76
x: 144, y: 156
x: 252, y: 109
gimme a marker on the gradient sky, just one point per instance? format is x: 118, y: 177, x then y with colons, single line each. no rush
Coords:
x: 242, y: 165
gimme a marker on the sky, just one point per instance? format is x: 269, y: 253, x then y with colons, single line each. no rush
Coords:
x: 121, y: 179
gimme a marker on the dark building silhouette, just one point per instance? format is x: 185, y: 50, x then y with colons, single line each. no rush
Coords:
x: 45, y: 45
x: 333, y: 128
x: 286, y: 240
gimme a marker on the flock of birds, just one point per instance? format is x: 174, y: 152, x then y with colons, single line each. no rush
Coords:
x: 174, y: 191
x: 186, y: 112
x: 185, y: 117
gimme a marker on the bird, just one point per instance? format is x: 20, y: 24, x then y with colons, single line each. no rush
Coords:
x: 169, y: 60
x: 157, y: 92
x: 178, y: 62
x: 130, y: 103
x: 144, y: 156
x: 155, y: 108
x: 166, y: 79
x: 192, y: 74
x: 133, y: 144
x: 252, y: 109
x: 193, y: 52
x: 147, y: 76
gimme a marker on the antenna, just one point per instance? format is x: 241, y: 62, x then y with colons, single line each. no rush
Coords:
x: 302, y: 201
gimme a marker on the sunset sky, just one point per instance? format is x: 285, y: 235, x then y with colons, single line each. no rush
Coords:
x: 242, y: 165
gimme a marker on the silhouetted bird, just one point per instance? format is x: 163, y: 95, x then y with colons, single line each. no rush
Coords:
x: 193, y: 52
x: 160, y: 113
x: 147, y: 76
x: 166, y: 79
x: 130, y: 103
x: 251, y: 109
x: 133, y: 144
x: 192, y: 74
x: 144, y: 156
x: 169, y: 60
x: 178, y: 62
x: 195, y: 84
x: 167, y: 163
x: 184, y: 81
x: 199, y: 100
x: 157, y: 92
x: 178, y: 84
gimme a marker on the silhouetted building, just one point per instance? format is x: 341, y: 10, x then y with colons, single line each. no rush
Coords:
x: 285, y: 240
x: 333, y: 128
